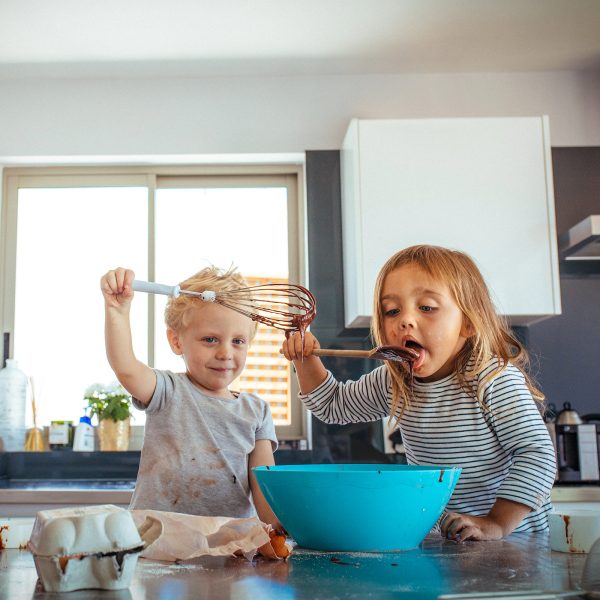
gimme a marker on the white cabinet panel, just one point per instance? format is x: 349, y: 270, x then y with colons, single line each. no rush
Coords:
x: 480, y: 185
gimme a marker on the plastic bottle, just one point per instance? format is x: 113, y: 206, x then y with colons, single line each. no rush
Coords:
x: 13, y: 398
x: 84, y: 436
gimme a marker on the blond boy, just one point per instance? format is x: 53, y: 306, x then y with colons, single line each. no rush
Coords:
x: 201, y: 439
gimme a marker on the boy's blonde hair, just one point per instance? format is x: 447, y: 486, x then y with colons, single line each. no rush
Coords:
x: 491, y: 336
x: 209, y: 279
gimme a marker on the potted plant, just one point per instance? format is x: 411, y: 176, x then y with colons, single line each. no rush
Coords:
x: 111, y: 405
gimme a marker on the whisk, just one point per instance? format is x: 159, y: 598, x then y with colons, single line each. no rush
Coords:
x: 284, y: 306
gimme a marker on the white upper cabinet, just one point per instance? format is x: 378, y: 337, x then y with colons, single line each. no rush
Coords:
x: 480, y: 185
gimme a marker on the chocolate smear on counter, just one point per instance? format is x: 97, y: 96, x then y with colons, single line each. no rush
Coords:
x: 567, y: 520
x: 337, y: 561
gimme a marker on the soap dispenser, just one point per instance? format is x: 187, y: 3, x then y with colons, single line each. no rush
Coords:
x: 84, y: 436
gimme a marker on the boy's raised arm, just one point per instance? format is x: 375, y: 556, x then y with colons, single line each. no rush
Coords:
x: 136, y: 377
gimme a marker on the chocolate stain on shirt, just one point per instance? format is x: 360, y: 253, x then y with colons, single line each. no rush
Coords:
x: 217, y: 465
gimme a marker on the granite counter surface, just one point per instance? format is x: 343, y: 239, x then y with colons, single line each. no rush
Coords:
x: 518, y: 563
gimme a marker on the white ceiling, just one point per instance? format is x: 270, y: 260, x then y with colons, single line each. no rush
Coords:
x: 90, y: 38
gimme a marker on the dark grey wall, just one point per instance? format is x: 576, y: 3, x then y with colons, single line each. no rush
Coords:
x: 334, y: 443
x: 567, y: 347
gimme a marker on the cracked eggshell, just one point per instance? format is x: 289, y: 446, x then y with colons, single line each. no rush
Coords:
x: 85, y: 547
x: 83, y: 530
x: 15, y: 532
x: 87, y: 572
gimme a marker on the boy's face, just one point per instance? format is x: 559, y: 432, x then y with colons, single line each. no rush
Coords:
x: 214, y: 345
x: 421, y: 313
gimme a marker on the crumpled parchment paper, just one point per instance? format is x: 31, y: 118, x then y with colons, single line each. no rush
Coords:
x: 188, y: 536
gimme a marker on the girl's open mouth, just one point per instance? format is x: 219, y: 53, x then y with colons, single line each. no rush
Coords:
x: 416, y: 347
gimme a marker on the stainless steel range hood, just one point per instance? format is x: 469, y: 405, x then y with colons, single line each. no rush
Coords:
x: 582, y: 241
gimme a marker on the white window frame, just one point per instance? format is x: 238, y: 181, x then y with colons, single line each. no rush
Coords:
x: 154, y: 177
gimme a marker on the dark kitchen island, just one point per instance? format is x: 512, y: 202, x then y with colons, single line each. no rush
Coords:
x: 518, y: 563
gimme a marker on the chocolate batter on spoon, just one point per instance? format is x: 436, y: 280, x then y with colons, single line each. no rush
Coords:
x: 394, y: 353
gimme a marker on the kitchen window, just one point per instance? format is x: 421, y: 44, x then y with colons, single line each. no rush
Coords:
x: 63, y: 228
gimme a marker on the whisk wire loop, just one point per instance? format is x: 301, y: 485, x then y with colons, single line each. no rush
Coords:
x: 282, y: 306
x: 278, y: 305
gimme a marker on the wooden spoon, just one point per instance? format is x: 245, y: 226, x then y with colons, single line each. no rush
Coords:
x: 395, y: 353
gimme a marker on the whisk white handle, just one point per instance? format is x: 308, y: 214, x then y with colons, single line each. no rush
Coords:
x: 156, y: 288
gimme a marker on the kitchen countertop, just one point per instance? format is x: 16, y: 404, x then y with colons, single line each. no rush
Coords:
x: 25, y: 498
x: 519, y: 563
x: 62, y: 492
x: 576, y: 493
x: 119, y: 492
x: 36, y: 478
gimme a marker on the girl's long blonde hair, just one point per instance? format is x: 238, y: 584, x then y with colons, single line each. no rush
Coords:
x: 491, y: 336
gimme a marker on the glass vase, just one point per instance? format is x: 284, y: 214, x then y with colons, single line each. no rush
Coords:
x: 113, y: 435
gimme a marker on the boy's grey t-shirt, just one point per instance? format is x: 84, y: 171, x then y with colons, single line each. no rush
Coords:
x: 195, y: 454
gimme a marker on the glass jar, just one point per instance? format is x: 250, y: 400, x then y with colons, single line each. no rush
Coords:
x: 61, y: 435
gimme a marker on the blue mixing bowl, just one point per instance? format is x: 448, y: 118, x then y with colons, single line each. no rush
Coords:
x: 357, y: 508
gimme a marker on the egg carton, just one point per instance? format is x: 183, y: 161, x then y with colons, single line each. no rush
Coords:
x: 88, y: 547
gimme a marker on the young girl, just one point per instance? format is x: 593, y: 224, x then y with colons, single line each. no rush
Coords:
x: 201, y: 439
x: 469, y: 401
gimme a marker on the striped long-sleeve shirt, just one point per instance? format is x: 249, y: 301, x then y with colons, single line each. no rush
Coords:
x: 505, y: 450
